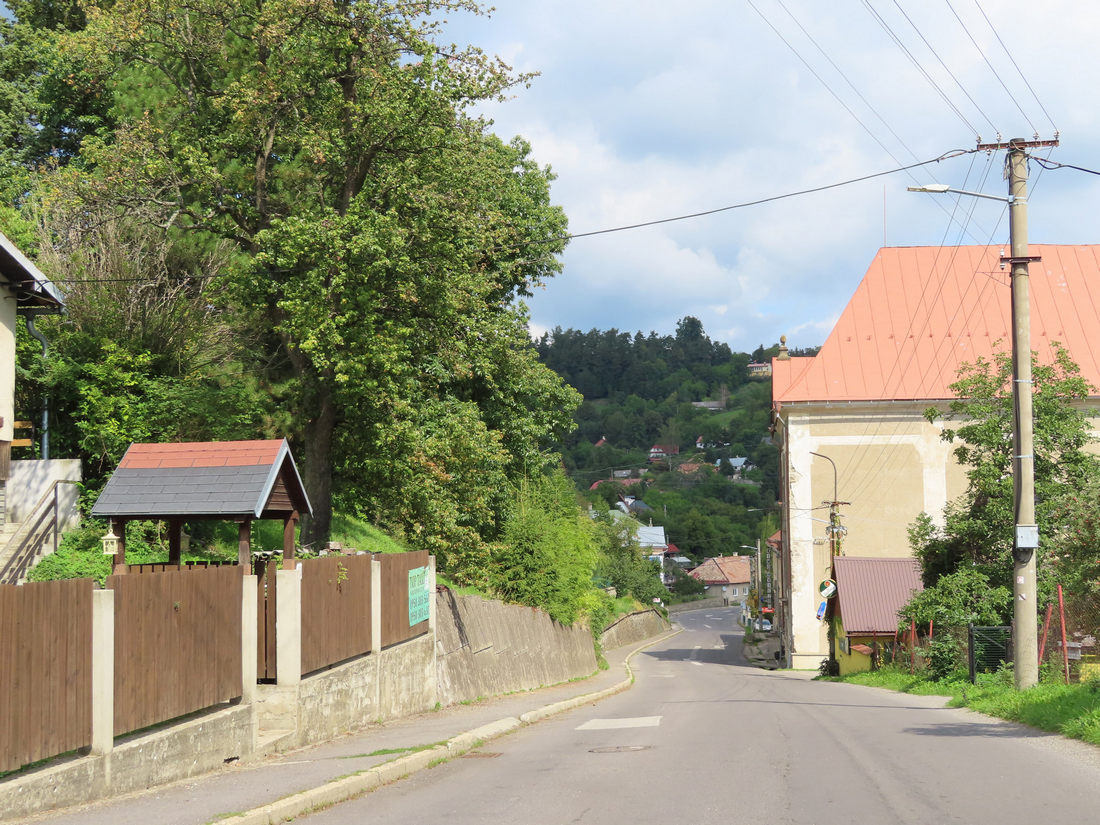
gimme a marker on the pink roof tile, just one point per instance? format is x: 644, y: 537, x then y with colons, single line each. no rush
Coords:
x: 201, y: 454
x: 919, y: 312
x: 871, y: 591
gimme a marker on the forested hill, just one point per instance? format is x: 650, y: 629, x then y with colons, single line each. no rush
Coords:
x: 641, y: 390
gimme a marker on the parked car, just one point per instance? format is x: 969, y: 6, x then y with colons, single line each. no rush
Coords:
x: 762, y: 624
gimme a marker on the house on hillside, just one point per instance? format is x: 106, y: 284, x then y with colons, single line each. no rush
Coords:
x: 26, y: 293
x: 849, y: 422
x: 728, y: 578
x: 864, y: 611
x: 756, y: 370
x: 660, y: 452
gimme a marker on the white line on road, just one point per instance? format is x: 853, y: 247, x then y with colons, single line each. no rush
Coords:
x: 610, y: 724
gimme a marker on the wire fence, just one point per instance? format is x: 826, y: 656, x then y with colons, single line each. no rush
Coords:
x: 1067, y: 636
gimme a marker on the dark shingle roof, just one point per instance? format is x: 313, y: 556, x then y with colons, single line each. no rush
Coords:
x: 204, y: 479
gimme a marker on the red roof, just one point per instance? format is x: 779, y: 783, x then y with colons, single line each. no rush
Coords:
x: 919, y: 312
x: 201, y: 454
x: 869, y: 592
x: 724, y: 570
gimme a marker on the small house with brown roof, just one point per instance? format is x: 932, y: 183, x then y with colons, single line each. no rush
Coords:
x: 726, y: 577
x: 849, y: 421
x: 214, y: 480
x: 864, y: 611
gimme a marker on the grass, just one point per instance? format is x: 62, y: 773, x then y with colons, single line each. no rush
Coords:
x: 1070, y: 710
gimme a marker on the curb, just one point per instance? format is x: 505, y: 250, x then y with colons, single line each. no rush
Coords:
x: 350, y: 787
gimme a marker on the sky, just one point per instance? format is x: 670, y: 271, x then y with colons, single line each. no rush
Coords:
x: 652, y: 110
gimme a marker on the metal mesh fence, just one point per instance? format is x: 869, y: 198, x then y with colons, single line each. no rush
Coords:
x: 1068, y: 634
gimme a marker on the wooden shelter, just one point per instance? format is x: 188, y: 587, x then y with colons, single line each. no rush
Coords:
x: 198, y: 481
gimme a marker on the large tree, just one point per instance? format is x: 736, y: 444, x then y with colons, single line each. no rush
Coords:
x: 382, y: 232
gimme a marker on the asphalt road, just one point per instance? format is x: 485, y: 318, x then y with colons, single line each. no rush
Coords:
x: 704, y: 738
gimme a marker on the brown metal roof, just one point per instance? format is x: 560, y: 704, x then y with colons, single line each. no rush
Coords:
x: 921, y: 311
x: 869, y: 592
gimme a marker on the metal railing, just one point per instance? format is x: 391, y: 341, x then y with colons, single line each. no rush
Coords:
x: 30, y: 540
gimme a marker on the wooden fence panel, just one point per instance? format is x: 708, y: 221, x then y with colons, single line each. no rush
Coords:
x: 395, y: 596
x: 336, y: 610
x: 45, y: 670
x: 177, y: 643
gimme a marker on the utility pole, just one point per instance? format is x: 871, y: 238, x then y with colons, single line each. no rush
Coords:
x: 1025, y: 540
x: 1025, y: 610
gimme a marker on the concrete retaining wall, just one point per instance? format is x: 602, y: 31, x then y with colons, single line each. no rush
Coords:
x: 632, y: 628
x: 196, y: 746
x: 485, y: 648
x: 399, y: 681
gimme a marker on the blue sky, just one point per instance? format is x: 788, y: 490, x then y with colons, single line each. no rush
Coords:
x: 647, y: 110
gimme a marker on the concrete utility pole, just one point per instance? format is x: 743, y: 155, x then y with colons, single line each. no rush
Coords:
x: 1025, y: 612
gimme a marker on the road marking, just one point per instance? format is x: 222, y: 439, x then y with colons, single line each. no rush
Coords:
x: 612, y: 724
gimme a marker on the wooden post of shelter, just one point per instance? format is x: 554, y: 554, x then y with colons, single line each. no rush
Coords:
x: 175, y: 530
x: 244, y: 546
x: 118, y: 561
x: 290, y: 524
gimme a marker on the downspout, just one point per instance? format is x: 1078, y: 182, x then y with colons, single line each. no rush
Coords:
x: 45, y: 396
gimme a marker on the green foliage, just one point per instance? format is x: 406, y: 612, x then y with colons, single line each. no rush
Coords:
x: 958, y: 599
x: 547, y: 550
x: 622, y: 563
x: 944, y: 657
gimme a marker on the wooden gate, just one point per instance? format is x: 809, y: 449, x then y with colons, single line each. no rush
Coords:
x: 266, y: 579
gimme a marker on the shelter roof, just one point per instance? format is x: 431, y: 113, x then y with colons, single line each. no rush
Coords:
x: 920, y: 312
x: 871, y: 591
x: 211, y: 479
x: 31, y: 287
x: 724, y: 570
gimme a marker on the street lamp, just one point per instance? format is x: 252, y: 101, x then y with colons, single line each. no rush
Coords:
x: 1025, y: 613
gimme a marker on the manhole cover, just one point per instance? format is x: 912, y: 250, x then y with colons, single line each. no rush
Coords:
x: 621, y: 749
x: 479, y: 755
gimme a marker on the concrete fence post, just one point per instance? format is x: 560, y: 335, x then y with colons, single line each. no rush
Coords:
x: 375, y: 606
x: 288, y: 626
x: 103, y: 671
x: 249, y: 638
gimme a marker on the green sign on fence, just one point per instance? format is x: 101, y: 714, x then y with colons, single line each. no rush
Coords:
x: 418, y: 595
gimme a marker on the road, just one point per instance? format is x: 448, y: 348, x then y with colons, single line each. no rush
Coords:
x: 704, y: 738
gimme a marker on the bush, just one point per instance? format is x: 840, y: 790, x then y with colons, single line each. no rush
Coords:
x: 944, y: 658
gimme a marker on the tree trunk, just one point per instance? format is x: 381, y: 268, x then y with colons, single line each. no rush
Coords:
x: 317, y: 472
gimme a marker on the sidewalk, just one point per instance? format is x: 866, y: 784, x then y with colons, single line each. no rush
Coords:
x: 291, y: 784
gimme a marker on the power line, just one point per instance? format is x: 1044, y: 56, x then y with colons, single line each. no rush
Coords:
x: 1014, y: 64
x: 916, y: 64
x: 990, y: 65
x: 954, y: 153
x: 950, y: 73
x: 1047, y: 163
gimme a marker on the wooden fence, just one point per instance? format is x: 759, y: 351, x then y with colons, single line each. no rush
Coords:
x: 396, y: 627
x: 177, y: 643
x: 45, y: 670
x: 336, y: 610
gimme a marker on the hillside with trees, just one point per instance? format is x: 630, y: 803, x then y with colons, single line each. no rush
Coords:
x: 645, y: 390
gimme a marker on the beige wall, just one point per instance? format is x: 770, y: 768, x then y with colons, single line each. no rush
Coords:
x: 891, y: 465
